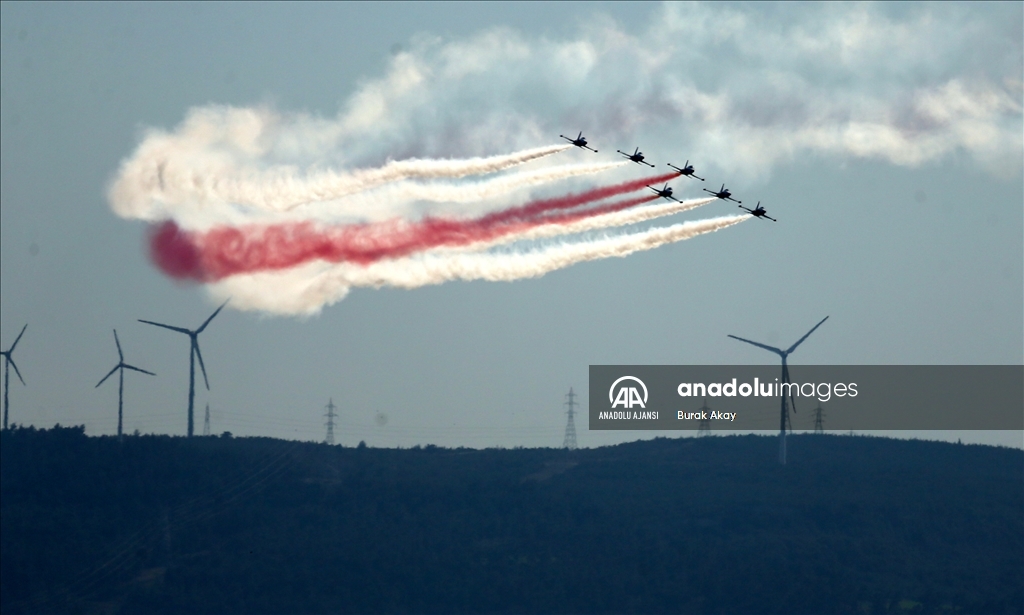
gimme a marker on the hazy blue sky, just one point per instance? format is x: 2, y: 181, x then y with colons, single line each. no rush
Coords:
x: 886, y: 139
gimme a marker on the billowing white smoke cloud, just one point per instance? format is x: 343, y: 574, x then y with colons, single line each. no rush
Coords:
x: 735, y: 91
x: 305, y: 290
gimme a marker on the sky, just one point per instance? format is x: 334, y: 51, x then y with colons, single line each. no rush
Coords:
x: 886, y: 139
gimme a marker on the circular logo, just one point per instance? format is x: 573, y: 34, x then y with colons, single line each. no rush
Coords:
x: 611, y: 390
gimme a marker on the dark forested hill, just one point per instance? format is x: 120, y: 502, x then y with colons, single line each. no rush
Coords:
x: 712, y: 525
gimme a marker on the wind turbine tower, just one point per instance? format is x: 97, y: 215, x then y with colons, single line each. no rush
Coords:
x: 206, y: 421
x: 8, y: 362
x: 193, y: 354
x: 784, y: 416
x: 120, y: 367
x: 329, y: 440
x: 570, y: 428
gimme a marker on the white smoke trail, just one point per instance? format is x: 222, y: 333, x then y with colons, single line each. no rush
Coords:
x: 160, y: 178
x: 393, y: 199
x: 399, y: 199
x: 609, y: 220
x: 306, y: 290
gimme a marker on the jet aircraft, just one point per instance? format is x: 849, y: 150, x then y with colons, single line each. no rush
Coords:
x: 580, y: 141
x: 723, y: 193
x: 665, y: 193
x: 686, y: 171
x: 758, y: 212
x: 637, y: 156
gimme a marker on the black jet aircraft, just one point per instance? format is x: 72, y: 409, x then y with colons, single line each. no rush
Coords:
x: 686, y: 171
x: 758, y: 212
x: 579, y: 141
x: 637, y: 156
x: 723, y: 193
x: 665, y: 193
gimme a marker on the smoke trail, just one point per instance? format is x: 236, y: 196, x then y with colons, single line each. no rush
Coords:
x: 158, y: 179
x: 305, y: 290
x: 604, y: 217
x: 226, y: 251
x: 401, y: 198
x: 498, y: 267
x: 468, y: 192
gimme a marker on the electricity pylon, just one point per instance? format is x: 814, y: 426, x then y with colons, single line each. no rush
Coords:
x: 704, y: 428
x: 329, y: 440
x: 570, y: 428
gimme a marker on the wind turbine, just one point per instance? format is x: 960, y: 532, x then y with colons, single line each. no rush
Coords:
x: 8, y: 362
x: 193, y: 353
x: 785, y: 379
x: 121, y: 366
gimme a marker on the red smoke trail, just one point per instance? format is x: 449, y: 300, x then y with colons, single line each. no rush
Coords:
x: 572, y: 200
x: 225, y: 251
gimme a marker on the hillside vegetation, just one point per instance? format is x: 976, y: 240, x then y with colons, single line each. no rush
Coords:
x: 156, y: 524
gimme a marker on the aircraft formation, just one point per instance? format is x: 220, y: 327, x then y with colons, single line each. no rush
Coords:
x: 686, y: 170
x: 665, y: 192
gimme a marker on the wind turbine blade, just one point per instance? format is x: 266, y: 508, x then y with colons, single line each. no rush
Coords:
x: 126, y: 366
x: 157, y: 324
x: 118, y: 342
x: 203, y: 326
x: 800, y: 341
x: 195, y: 348
x: 15, y: 366
x: 116, y: 367
x: 771, y: 348
x: 18, y: 339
